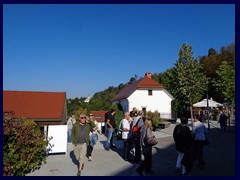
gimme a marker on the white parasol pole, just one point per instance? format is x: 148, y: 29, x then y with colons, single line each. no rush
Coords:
x: 207, y: 111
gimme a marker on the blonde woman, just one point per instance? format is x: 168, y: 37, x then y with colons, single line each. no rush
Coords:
x: 146, y: 164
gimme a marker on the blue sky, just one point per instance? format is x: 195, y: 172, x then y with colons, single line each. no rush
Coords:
x: 82, y: 49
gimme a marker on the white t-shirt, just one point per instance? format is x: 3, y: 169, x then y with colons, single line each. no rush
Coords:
x: 125, y: 124
x: 95, y: 131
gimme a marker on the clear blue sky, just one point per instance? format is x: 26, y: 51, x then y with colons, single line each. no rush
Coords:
x: 82, y: 49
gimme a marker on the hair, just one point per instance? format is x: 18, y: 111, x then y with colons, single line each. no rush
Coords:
x: 140, y: 113
x: 148, y: 123
x: 184, y: 120
x: 112, y: 110
x: 126, y: 114
x: 131, y: 114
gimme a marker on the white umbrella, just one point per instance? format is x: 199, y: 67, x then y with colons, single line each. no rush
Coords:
x: 211, y: 103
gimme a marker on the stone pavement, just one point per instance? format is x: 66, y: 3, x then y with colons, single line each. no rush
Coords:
x: 219, y: 157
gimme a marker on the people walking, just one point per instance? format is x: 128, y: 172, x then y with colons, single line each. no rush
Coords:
x: 111, y: 125
x: 71, y: 121
x: 136, y: 135
x: 80, y: 140
x: 223, y: 120
x: 146, y: 164
x: 183, y: 142
x: 93, y: 137
x: 199, y: 132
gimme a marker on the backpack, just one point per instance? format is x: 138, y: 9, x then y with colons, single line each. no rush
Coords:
x: 120, y: 127
x: 136, y: 130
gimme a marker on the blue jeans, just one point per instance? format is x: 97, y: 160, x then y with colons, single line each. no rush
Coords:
x: 110, y: 132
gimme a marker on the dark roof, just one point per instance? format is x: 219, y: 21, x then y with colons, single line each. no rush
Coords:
x: 145, y: 82
x: 34, y: 105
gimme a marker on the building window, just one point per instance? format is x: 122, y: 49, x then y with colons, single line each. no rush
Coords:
x: 150, y: 92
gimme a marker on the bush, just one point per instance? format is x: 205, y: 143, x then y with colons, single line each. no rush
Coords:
x: 23, y: 146
x: 154, y: 116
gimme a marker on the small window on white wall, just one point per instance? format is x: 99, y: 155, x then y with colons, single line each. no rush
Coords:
x: 150, y: 92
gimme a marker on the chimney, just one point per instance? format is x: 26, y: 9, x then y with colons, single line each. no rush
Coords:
x: 148, y: 74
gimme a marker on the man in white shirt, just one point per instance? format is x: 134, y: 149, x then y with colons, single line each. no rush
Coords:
x: 126, y: 136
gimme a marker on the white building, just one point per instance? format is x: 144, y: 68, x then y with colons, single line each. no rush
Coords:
x: 147, y: 95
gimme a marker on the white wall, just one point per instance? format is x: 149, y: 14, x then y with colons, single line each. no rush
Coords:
x: 159, y: 101
x: 59, y: 138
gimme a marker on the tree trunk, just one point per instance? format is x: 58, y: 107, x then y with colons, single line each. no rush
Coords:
x: 191, y: 110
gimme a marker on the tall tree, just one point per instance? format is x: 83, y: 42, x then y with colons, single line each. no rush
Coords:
x: 190, y: 83
x: 225, y: 82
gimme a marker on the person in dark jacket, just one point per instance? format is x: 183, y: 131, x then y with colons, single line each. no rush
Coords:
x: 223, y: 120
x: 183, y: 142
x: 111, y: 125
x: 80, y: 140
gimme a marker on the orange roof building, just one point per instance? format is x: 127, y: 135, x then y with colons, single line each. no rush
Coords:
x: 45, y: 108
x: 146, y: 94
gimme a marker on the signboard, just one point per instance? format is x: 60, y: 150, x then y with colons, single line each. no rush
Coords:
x: 59, y: 139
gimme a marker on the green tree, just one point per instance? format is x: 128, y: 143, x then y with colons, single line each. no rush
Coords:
x: 211, y: 64
x: 189, y: 83
x: 24, y: 146
x: 225, y: 82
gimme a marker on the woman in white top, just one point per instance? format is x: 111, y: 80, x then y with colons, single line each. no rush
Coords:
x: 199, y: 133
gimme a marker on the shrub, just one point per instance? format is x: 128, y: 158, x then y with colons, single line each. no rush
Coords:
x: 154, y: 116
x: 23, y: 146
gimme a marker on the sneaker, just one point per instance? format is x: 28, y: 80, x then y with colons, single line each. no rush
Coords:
x: 177, y: 170
x: 89, y: 158
x: 112, y: 146
x: 137, y: 161
x: 148, y: 172
x: 138, y: 172
x: 185, y: 174
x: 79, y: 173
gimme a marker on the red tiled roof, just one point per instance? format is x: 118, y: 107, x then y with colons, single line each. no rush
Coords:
x: 99, y: 115
x: 34, y: 105
x: 145, y: 82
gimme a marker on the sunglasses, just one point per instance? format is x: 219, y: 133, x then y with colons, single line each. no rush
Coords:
x: 83, y: 117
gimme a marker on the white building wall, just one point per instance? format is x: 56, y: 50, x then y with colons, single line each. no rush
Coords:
x: 159, y: 100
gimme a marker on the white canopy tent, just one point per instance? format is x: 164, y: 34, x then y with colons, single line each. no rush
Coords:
x: 211, y: 103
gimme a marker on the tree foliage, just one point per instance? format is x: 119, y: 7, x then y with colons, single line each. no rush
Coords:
x: 211, y: 64
x: 225, y: 82
x: 24, y: 147
x: 190, y: 83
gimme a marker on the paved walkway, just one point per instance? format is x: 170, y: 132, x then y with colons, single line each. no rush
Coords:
x: 219, y: 157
